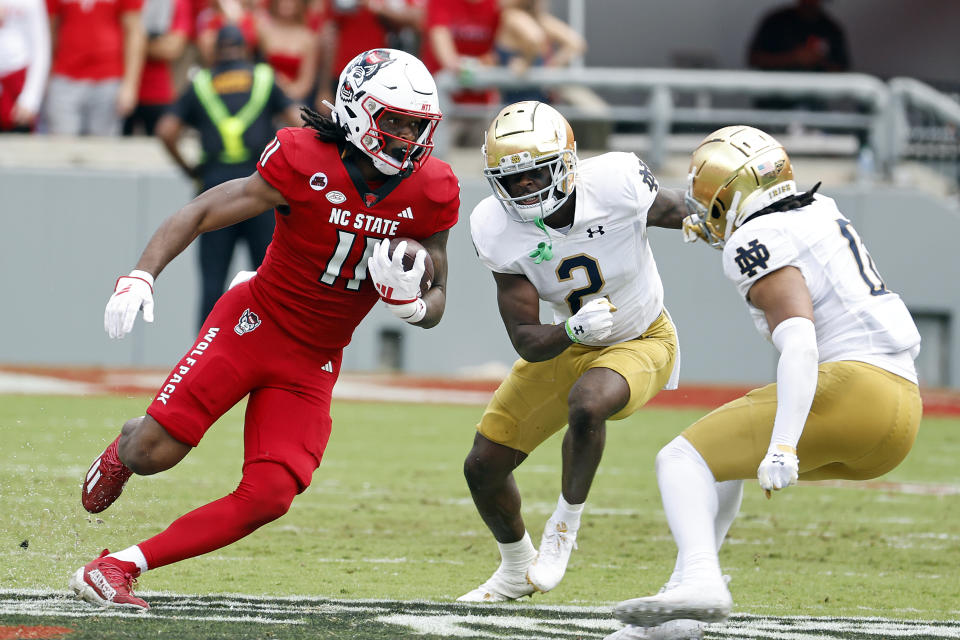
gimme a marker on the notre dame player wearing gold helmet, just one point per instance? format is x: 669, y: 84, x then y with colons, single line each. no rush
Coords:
x: 846, y: 402
x: 571, y: 233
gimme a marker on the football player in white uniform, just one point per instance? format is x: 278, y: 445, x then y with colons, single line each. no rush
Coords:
x: 846, y: 402
x: 572, y: 233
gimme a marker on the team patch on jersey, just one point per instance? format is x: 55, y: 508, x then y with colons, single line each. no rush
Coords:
x: 318, y: 181
x: 754, y: 256
x: 336, y: 197
x: 248, y: 322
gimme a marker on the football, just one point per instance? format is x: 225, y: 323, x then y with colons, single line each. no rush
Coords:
x: 409, y: 255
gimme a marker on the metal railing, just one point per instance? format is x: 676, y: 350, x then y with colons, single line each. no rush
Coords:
x: 883, y: 115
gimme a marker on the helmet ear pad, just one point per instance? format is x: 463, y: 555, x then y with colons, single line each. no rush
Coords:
x: 524, y: 136
x: 378, y: 83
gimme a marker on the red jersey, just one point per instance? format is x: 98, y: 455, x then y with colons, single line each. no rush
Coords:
x: 89, y: 44
x: 472, y: 23
x: 359, y: 29
x: 313, y: 279
x: 156, y: 81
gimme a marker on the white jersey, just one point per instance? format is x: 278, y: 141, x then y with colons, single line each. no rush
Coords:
x: 855, y: 315
x: 605, y: 253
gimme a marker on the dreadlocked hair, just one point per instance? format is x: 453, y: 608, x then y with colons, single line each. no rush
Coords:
x: 786, y: 204
x: 327, y: 130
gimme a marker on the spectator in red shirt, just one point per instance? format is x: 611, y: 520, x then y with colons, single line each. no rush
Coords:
x: 353, y: 26
x: 98, y: 57
x: 459, y: 37
x: 289, y: 45
x: 24, y: 62
x: 168, y: 28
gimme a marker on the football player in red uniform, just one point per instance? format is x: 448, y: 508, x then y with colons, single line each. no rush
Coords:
x: 341, y: 187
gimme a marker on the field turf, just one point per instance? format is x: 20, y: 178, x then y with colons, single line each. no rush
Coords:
x: 387, y: 537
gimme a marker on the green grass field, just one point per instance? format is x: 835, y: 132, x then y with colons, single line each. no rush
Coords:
x: 388, y: 520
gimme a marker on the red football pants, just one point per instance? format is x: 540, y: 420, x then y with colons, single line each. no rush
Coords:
x: 265, y: 493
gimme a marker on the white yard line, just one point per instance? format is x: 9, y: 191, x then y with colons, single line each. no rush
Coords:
x: 450, y: 620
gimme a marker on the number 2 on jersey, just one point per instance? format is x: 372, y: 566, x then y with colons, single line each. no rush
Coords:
x: 868, y: 271
x: 594, y: 278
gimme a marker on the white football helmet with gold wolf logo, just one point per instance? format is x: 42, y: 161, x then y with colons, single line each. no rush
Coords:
x: 524, y: 136
x: 735, y: 172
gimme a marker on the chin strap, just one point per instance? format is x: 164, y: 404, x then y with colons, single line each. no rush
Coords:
x: 544, y: 250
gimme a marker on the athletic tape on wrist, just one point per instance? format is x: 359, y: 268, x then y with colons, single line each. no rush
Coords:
x: 412, y: 312
x: 570, y: 334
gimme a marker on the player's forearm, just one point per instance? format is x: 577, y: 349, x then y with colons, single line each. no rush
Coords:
x: 170, y: 239
x: 796, y: 378
x: 134, y: 48
x: 536, y: 343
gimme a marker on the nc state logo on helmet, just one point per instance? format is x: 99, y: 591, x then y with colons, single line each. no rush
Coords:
x: 378, y: 89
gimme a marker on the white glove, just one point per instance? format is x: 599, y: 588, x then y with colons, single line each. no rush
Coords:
x: 592, y: 323
x: 779, y: 468
x: 692, y: 231
x: 242, y: 276
x: 129, y: 295
x: 395, y: 285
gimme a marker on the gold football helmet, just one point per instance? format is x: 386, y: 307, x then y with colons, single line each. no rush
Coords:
x: 735, y: 172
x: 524, y: 136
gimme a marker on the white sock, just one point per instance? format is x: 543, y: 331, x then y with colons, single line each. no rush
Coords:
x: 729, y: 496
x: 516, y: 556
x: 569, y: 513
x: 690, y: 502
x: 132, y: 554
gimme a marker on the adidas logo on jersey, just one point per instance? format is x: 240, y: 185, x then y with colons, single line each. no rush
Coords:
x: 328, y: 367
x: 406, y: 213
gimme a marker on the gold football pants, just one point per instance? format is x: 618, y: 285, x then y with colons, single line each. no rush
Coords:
x: 862, y: 424
x: 531, y: 403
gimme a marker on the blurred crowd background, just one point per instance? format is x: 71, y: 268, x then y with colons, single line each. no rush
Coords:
x: 104, y: 102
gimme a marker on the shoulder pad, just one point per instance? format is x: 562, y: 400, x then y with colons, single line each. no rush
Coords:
x: 441, y: 185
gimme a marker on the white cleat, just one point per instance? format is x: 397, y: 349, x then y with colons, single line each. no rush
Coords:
x: 673, y: 630
x: 502, y: 586
x: 548, y: 567
x: 706, y: 601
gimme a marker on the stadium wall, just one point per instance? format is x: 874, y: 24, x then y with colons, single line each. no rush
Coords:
x: 68, y: 233
x: 886, y: 38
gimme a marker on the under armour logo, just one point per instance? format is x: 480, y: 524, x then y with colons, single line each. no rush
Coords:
x: 756, y: 255
x: 599, y: 230
x: 578, y: 330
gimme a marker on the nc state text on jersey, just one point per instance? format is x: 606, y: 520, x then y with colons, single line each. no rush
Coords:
x: 363, y: 222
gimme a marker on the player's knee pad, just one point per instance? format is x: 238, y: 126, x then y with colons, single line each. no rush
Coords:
x: 268, y: 488
x: 679, y: 451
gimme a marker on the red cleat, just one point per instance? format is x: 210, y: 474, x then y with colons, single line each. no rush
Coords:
x: 105, y: 583
x: 105, y: 480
